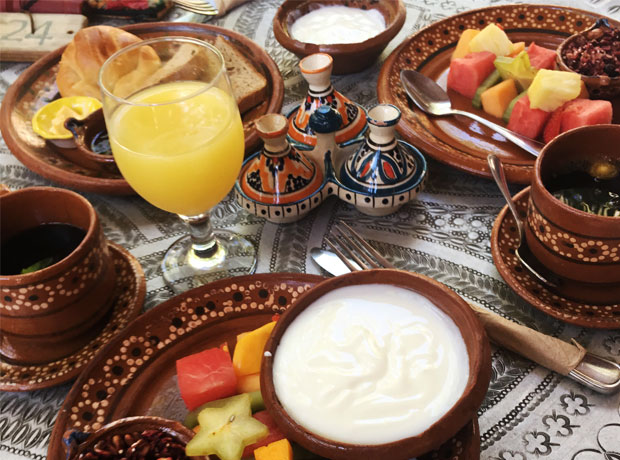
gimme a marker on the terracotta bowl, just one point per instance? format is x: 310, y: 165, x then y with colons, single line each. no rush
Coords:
x: 464, y: 409
x: 86, y: 133
x: 348, y: 57
x: 129, y: 425
x: 599, y: 87
x: 570, y: 242
x: 52, y: 312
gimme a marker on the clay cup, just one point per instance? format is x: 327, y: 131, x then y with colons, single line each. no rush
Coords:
x: 52, y: 312
x: 572, y: 243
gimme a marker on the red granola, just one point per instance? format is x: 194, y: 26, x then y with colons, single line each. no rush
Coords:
x: 596, y: 52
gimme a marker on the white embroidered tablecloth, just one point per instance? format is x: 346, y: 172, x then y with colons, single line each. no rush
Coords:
x: 529, y: 412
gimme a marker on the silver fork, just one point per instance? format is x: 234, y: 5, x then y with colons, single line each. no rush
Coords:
x: 595, y: 372
x: 197, y: 6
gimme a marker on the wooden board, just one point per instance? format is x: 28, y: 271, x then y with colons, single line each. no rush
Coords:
x: 52, y: 31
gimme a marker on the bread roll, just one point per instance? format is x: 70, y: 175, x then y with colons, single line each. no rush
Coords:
x: 80, y: 63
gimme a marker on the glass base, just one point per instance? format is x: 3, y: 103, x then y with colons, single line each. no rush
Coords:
x: 184, y: 269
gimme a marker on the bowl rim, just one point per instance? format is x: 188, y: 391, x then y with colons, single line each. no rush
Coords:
x: 287, y: 41
x: 455, y: 418
x: 539, y: 187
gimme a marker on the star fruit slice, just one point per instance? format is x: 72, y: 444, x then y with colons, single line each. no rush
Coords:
x: 226, y: 430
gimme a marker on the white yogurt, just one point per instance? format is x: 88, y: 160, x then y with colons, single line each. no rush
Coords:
x: 337, y: 24
x: 370, y: 364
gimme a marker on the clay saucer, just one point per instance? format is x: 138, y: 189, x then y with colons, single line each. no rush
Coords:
x: 36, y: 86
x: 455, y: 418
x: 129, y: 298
x: 504, y: 239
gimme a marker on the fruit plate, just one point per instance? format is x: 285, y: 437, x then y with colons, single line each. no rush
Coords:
x: 135, y: 373
x: 458, y: 141
x: 36, y: 86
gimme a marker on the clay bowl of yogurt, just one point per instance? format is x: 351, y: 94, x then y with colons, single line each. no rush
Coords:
x: 353, y: 32
x: 377, y: 364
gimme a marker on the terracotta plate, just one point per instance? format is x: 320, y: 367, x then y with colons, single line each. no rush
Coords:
x: 504, y: 238
x: 130, y: 291
x: 135, y: 374
x: 36, y: 86
x: 457, y: 141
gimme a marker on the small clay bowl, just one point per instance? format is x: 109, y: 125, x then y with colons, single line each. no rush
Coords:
x: 572, y: 243
x: 80, y: 443
x: 348, y: 57
x: 600, y: 86
x: 461, y: 413
x: 92, y: 149
x: 52, y: 312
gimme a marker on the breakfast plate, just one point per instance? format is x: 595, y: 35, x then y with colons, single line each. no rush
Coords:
x: 135, y: 373
x: 457, y: 141
x: 129, y: 298
x: 504, y: 238
x: 36, y: 86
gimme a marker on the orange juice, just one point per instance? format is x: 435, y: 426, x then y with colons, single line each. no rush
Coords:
x: 180, y: 146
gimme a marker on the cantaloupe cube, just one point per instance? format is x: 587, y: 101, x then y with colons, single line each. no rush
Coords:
x: 249, y: 350
x: 492, y: 39
x: 495, y: 100
x: 462, y: 47
x: 248, y: 383
x: 552, y: 88
x: 279, y: 450
x: 517, y: 48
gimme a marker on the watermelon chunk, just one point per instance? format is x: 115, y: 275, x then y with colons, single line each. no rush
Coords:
x: 541, y: 58
x: 274, y: 433
x: 205, y: 376
x: 586, y: 112
x: 553, y: 126
x: 467, y: 74
x: 527, y: 121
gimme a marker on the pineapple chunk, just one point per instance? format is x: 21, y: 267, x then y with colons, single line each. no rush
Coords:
x: 552, y: 88
x: 462, y: 47
x: 492, y: 39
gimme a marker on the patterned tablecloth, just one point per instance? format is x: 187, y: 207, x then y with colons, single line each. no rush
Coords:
x: 529, y: 412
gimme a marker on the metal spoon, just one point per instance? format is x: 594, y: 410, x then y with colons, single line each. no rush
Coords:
x: 432, y: 99
x: 523, y: 253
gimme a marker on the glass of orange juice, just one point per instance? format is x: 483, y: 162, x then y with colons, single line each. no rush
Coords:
x: 177, y: 138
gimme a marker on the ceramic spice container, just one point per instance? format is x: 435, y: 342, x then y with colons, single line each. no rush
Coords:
x: 316, y: 69
x: 324, y: 122
x: 54, y: 311
x: 280, y: 182
x: 383, y: 173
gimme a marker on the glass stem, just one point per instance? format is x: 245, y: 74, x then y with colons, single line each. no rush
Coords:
x: 204, y: 243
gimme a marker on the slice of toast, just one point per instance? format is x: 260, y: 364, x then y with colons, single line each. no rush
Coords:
x: 248, y: 85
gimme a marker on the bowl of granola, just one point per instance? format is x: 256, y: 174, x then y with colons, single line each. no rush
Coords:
x: 594, y: 55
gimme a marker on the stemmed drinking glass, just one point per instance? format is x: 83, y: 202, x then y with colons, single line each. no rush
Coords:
x: 177, y: 138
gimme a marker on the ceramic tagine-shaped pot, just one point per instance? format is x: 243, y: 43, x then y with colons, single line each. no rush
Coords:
x: 317, y: 69
x: 324, y: 122
x: 384, y: 173
x: 278, y: 182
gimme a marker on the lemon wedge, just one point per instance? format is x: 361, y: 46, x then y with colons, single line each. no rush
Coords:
x: 49, y: 121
